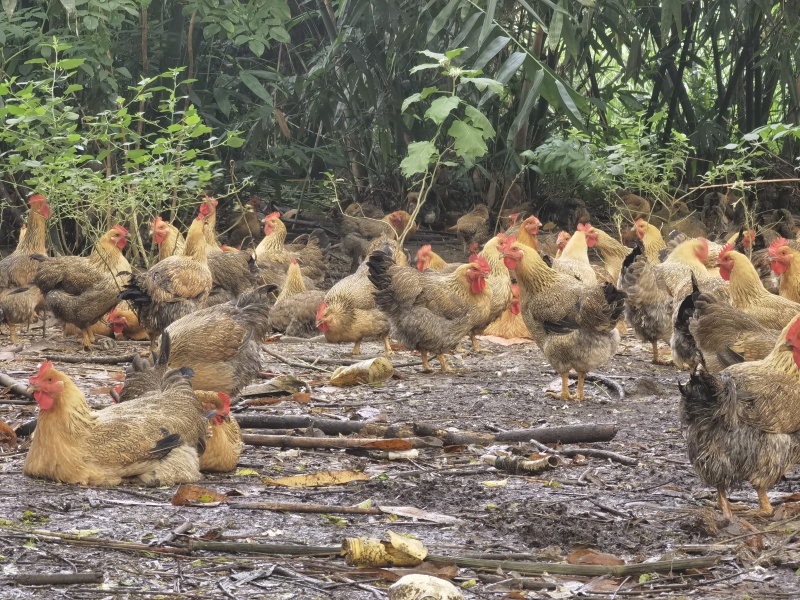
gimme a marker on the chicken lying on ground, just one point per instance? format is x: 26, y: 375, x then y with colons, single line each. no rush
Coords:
x: 221, y: 344
x: 651, y: 289
x: 295, y: 310
x: 510, y: 324
x: 173, y: 287
x: 81, y: 291
x: 574, y: 258
x: 125, y: 324
x: 744, y: 424
x: 154, y: 440
x: 20, y: 299
x: 472, y: 227
x: 224, y: 446
x: 574, y: 324
x: 786, y: 263
x: 749, y: 295
x: 273, y: 249
x: 430, y: 312
x: 167, y: 237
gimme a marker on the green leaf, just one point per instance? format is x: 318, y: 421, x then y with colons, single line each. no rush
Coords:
x: 255, y: 86
x: 492, y: 49
x: 418, y: 159
x: 410, y: 100
x: 441, y: 108
x: 280, y: 34
x: 71, y: 63
x: 488, y: 22
x: 479, y: 120
x: 569, y: 103
x: 468, y: 140
x: 90, y: 22
x: 527, y: 106
x: 424, y: 67
x: 554, y: 31
x: 440, y: 20
x: 484, y: 82
x: 440, y: 58
x: 223, y: 101
x: 234, y: 142
x: 256, y: 47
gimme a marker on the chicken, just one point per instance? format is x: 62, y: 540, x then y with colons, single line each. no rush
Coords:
x: 224, y: 446
x: 232, y: 274
x: 173, y: 287
x: 574, y: 258
x: 295, y: 310
x: 651, y: 289
x: 125, y: 324
x: 430, y: 213
x: 247, y: 229
x: 744, y: 424
x: 613, y: 252
x: 510, y: 324
x: 81, y: 291
x: 167, y: 237
x: 573, y: 323
x: 497, y: 276
x: 561, y: 242
x: 154, y: 440
x: 359, y: 231
x: 527, y: 232
x: 635, y: 207
x: 208, y: 210
x: 430, y: 312
x: 271, y: 248
x: 20, y: 300
x: 749, y: 295
x: 786, y: 263
x: 428, y: 259
x: 472, y: 227
x: 651, y: 239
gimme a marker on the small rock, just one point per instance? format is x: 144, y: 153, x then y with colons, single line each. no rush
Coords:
x: 423, y: 587
x: 645, y: 386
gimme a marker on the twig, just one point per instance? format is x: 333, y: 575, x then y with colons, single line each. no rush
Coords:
x: 226, y: 592
x: 15, y: 387
x: 306, y: 508
x: 288, y: 441
x: 291, y: 363
x: 625, y: 460
x: 88, y: 359
x: 57, y: 578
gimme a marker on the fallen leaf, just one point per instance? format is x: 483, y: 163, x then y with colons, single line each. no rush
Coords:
x: 373, y: 370
x: 246, y: 472
x: 496, y: 483
x: 194, y: 495
x: 301, y: 397
x: 587, y: 556
x: 603, y: 585
x: 372, y: 552
x: 320, y: 479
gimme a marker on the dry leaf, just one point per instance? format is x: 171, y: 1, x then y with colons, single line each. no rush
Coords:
x: 373, y: 370
x: 412, y: 587
x: 587, y: 556
x: 194, y: 495
x: 372, y: 552
x: 603, y: 585
x: 496, y: 483
x: 408, y: 545
x: 318, y: 479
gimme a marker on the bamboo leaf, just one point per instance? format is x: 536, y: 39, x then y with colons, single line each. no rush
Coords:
x: 255, y: 86
x: 569, y: 103
x: 440, y: 20
x: 554, y: 31
x: 484, y: 82
x: 527, y: 106
x: 491, y: 50
x: 488, y: 22
x: 466, y: 29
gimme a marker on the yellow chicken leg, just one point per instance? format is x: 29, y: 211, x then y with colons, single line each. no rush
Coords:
x: 475, y: 346
x: 12, y: 331
x: 724, y: 503
x: 579, y: 395
x: 657, y: 360
x: 446, y: 368
x: 87, y: 339
x: 387, y: 345
x: 356, y: 348
x: 426, y: 367
x: 565, y: 395
x: 764, y: 506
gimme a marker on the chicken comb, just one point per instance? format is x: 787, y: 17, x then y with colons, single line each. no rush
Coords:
x: 424, y: 251
x: 113, y: 314
x: 507, y: 244
x: 585, y: 227
x: 533, y: 219
x: 157, y: 221
x: 776, y: 245
x: 226, y: 401
x: 483, y: 265
x: 794, y: 330
x: 512, y: 219
x: 208, y: 207
x: 273, y: 215
x: 725, y: 249
x: 36, y: 198
x: 294, y: 260
x: 43, y: 368
x: 120, y: 229
x: 515, y: 289
x: 321, y: 310
x: 639, y: 221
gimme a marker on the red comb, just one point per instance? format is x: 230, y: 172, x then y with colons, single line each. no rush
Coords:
x: 794, y: 330
x: 424, y: 250
x: 43, y: 368
x: 113, y: 314
x: 725, y: 249
x: 507, y: 244
x: 36, y: 198
x: 321, y: 310
x: 473, y: 258
x: 502, y: 238
x: 776, y: 245
x: 157, y: 221
x: 121, y: 229
x: 473, y: 247
x: 483, y: 265
x: 639, y: 221
x: 585, y: 227
x: 513, y: 218
x: 226, y: 400
x: 273, y: 215
x: 294, y: 260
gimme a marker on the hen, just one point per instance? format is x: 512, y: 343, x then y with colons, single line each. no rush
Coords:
x: 224, y: 446
x: 173, y: 287
x: 430, y: 312
x: 167, y: 237
x: 208, y: 212
x: 510, y: 324
x: 428, y: 259
x: 574, y: 324
x: 651, y: 239
x: 154, y: 440
x: 786, y: 263
x: 613, y: 252
x: 472, y: 227
x: 125, y: 324
x: 295, y: 310
x: 272, y: 249
x: 744, y: 424
x: 359, y: 229
x: 574, y: 258
x: 20, y: 300
x: 497, y: 276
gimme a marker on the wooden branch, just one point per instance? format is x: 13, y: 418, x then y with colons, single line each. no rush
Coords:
x: 291, y: 363
x: 288, y: 441
x: 620, y: 458
x: 327, y: 426
x: 85, y: 359
x: 57, y: 578
x: 15, y: 387
x: 567, y: 434
x: 70, y: 540
x: 306, y: 508
x: 272, y: 549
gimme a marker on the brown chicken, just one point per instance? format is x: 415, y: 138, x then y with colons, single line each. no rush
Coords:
x: 295, y: 310
x: 81, y: 291
x: 359, y: 231
x: 613, y: 252
x: 574, y: 257
x: 510, y: 324
x: 125, y: 324
x: 744, y: 424
x: 528, y: 231
x: 748, y: 294
x: 651, y: 289
x: 497, y: 276
x: 651, y: 239
x: 429, y: 311
x: 232, y: 274
x: 154, y: 440
x: 635, y: 207
x: 428, y: 259
x: 786, y: 263
x: 225, y: 445
x: 173, y: 287
x: 272, y: 249
x: 247, y: 229
x: 574, y: 324
x: 20, y: 300
x: 472, y: 227
x: 208, y: 210
x: 168, y: 238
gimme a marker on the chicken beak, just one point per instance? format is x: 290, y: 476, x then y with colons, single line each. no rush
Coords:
x: 32, y: 388
x: 210, y: 414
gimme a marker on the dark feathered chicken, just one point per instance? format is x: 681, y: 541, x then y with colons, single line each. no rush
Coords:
x: 295, y: 310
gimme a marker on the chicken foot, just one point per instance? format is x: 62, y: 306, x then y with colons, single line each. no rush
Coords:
x: 387, y: 345
x: 724, y: 503
x: 12, y: 331
x: 475, y: 346
x: 564, y: 395
x: 579, y: 395
x: 657, y: 360
x: 426, y: 367
x: 446, y: 368
x: 357, y: 348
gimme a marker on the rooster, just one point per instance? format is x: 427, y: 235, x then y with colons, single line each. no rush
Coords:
x: 208, y: 211
x: 167, y: 237
x: 744, y: 424
x: 173, y: 287
x: 295, y: 310
x: 785, y: 262
x: 573, y: 323
x: 154, y: 440
x: 472, y: 227
x: 748, y: 293
x: 430, y: 312
x: 224, y: 446
x: 20, y: 300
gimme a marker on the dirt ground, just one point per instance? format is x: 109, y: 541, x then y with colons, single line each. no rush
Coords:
x: 656, y: 510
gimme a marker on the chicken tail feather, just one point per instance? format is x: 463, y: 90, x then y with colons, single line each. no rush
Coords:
x: 166, y: 444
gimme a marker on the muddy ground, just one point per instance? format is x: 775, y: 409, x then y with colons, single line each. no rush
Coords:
x: 655, y: 510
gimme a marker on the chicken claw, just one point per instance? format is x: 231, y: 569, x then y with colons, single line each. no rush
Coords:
x: 387, y: 346
x: 564, y: 395
x: 580, y: 395
x: 476, y: 347
x: 356, y: 349
x: 426, y: 367
x: 657, y: 360
x: 446, y: 368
